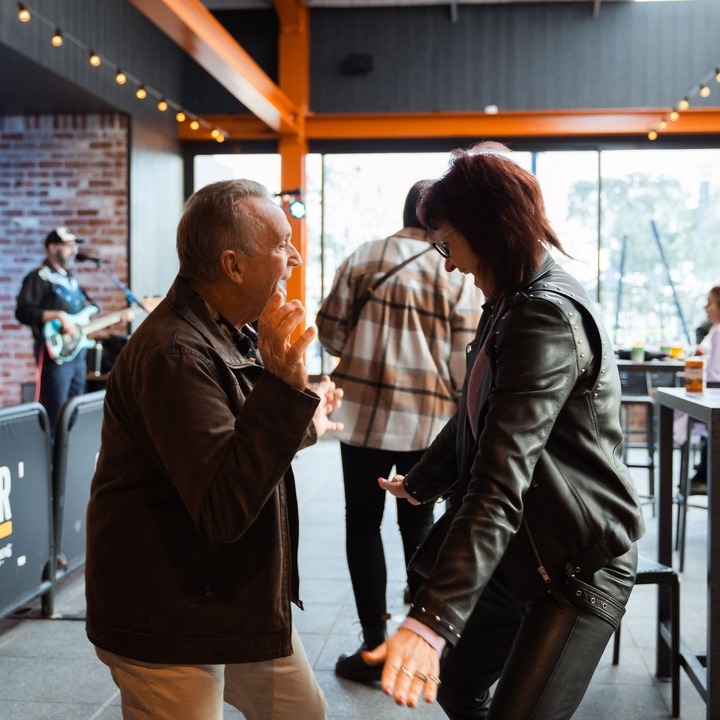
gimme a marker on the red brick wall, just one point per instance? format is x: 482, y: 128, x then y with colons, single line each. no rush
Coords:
x: 58, y: 170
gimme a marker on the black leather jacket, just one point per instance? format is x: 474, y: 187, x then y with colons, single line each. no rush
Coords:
x: 544, y: 484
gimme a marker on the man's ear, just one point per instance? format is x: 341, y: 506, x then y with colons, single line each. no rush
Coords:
x: 233, y: 265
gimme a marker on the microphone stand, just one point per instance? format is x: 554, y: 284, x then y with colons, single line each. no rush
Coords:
x: 131, y: 298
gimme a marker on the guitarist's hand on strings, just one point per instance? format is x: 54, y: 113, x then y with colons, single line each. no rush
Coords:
x: 68, y: 327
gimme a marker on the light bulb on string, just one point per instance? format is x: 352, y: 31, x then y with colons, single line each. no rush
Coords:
x: 703, y: 89
x: 652, y: 135
x: 58, y: 39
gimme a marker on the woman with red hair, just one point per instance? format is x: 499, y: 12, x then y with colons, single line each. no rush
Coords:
x: 528, y: 572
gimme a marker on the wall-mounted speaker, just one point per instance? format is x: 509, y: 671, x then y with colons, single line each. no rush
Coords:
x: 356, y: 64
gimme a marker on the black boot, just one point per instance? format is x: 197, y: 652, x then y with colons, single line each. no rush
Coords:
x: 353, y: 667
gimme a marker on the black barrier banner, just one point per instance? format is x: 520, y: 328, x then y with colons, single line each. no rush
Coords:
x: 77, y: 445
x: 26, y: 524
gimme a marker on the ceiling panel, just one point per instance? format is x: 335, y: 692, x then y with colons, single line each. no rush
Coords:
x: 33, y: 90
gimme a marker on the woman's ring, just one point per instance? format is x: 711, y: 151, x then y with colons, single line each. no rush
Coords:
x: 434, y: 678
x: 405, y: 671
x: 422, y: 677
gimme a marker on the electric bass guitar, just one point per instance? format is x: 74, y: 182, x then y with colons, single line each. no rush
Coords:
x: 63, y: 347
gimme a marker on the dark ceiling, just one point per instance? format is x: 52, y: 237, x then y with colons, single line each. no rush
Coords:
x: 30, y: 89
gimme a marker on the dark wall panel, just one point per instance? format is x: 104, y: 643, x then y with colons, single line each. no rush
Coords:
x: 256, y: 31
x: 518, y: 57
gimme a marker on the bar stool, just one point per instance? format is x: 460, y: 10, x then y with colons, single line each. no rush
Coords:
x: 652, y: 573
x: 636, y: 391
x: 684, y: 492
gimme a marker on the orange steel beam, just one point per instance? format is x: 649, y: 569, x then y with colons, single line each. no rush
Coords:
x: 294, y: 79
x: 580, y: 123
x: 294, y: 52
x: 194, y: 28
x: 292, y: 172
x: 572, y: 124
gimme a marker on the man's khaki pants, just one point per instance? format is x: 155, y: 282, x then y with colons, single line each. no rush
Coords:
x: 282, y: 689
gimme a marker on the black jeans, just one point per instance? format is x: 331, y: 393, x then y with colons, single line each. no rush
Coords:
x: 364, y: 507
x: 543, y: 653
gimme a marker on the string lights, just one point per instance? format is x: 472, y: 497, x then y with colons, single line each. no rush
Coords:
x: 122, y: 77
x: 703, y: 89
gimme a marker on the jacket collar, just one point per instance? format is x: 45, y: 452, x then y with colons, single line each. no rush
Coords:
x: 192, y: 309
x: 547, y: 264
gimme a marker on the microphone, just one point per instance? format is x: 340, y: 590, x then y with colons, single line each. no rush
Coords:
x: 82, y: 257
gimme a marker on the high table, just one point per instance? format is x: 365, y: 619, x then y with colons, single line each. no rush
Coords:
x: 650, y: 365
x: 703, y: 670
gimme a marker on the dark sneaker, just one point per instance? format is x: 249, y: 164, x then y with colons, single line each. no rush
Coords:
x: 353, y: 667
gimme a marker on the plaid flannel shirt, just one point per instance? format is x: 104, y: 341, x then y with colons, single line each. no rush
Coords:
x: 402, y: 366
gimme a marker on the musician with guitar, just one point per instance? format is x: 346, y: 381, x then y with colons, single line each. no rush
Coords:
x: 58, y: 311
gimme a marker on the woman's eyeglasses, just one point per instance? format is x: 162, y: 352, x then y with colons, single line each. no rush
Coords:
x: 442, y: 247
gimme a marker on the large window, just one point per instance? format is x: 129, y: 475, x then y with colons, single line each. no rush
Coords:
x: 660, y: 222
x: 641, y: 227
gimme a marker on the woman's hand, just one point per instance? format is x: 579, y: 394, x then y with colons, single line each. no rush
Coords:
x: 330, y: 399
x: 412, y: 668
x: 395, y: 487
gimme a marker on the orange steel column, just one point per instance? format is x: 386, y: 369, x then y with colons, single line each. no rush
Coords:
x: 294, y: 81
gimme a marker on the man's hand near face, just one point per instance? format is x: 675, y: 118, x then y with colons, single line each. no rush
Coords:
x: 280, y: 356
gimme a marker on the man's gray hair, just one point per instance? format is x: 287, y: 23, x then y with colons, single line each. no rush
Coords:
x: 216, y: 218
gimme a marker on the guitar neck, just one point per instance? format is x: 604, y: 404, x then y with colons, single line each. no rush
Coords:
x: 103, y: 322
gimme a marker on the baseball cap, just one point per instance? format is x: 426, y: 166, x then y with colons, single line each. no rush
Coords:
x: 61, y: 235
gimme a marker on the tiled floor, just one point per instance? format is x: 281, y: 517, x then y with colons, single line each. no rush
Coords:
x: 48, y: 669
